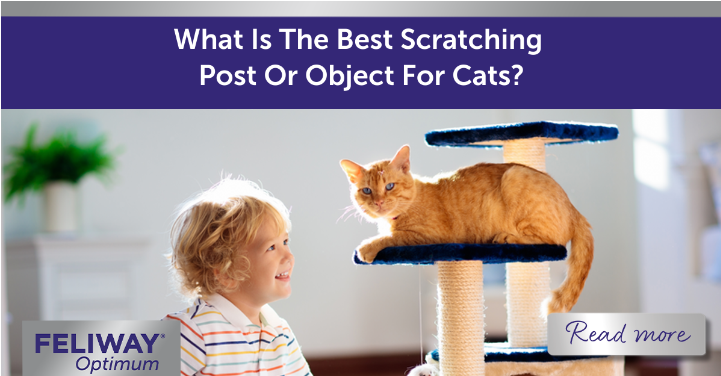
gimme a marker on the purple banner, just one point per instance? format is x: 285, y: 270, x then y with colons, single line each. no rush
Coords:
x: 414, y: 63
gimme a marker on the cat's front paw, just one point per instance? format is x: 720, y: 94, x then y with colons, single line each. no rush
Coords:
x: 505, y: 238
x: 367, y: 252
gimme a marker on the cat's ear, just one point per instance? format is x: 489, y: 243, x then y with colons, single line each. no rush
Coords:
x: 352, y: 169
x: 402, y: 160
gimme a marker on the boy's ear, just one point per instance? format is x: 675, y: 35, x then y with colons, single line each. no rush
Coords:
x: 402, y: 160
x: 222, y: 278
x: 353, y: 170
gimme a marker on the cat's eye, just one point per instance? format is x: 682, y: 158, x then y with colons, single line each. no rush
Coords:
x: 366, y: 191
x: 390, y: 186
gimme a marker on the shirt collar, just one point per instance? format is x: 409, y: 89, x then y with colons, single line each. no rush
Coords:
x: 236, y: 317
x: 271, y: 317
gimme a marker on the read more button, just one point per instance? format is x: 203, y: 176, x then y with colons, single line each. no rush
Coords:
x: 626, y: 334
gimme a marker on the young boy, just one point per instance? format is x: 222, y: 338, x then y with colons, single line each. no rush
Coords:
x: 230, y: 253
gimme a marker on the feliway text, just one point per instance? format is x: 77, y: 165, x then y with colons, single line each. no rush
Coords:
x: 250, y: 45
x: 626, y: 334
x: 88, y: 347
x: 104, y: 342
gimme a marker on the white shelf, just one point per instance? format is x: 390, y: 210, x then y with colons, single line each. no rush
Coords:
x: 78, y: 278
x: 71, y: 278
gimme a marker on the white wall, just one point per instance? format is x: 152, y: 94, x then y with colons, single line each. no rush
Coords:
x: 5, y: 345
x: 171, y: 154
x: 671, y: 220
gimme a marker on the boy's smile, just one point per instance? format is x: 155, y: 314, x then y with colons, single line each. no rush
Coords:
x: 271, y: 267
x: 271, y: 264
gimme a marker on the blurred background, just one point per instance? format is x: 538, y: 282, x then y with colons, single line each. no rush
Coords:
x: 648, y: 196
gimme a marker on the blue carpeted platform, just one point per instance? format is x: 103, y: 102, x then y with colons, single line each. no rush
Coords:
x: 488, y: 253
x: 502, y: 352
x: 556, y: 132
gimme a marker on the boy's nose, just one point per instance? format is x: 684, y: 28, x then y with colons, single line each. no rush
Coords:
x: 287, y: 252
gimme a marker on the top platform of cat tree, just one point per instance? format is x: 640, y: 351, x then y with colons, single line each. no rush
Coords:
x: 494, y: 136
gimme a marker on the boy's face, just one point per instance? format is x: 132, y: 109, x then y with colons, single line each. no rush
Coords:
x: 271, y: 265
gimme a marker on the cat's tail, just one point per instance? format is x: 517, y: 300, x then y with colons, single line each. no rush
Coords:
x: 579, y: 264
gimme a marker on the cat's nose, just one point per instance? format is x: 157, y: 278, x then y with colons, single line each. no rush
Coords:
x: 379, y: 202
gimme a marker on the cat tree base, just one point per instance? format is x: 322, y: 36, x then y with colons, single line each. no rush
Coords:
x: 609, y: 366
x: 503, y: 360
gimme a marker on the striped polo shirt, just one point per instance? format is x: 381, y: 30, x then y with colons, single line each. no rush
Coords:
x: 217, y: 339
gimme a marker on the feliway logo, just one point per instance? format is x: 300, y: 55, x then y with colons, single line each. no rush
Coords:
x: 60, y: 343
x: 101, y: 347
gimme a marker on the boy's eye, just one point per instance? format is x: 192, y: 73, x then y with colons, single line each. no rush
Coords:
x: 367, y: 191
x: 390, y: 186
x: 272, y: 248
x: 285, y: 242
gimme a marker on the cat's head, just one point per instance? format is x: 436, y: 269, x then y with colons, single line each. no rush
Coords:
x: 383, y: 189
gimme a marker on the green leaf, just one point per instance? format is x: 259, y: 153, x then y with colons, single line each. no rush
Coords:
x: 62, y: 158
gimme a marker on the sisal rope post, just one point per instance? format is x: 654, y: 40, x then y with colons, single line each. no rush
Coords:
x: 527, y: 284
x: 460, y: 318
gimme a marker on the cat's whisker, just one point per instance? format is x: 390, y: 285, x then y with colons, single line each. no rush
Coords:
x: 359, y: 214
x: 347, y: 209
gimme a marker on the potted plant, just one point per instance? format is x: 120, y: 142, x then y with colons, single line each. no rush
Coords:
x: 56, y: 168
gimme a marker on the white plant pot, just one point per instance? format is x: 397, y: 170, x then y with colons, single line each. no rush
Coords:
x: 61, y: 207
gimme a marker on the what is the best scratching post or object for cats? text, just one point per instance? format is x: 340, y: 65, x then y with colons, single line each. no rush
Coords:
x: 460, y: 269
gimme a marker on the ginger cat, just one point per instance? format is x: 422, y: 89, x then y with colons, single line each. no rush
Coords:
x: 484, y: 203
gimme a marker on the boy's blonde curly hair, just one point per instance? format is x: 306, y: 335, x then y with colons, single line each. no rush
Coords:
x: 212, y: 230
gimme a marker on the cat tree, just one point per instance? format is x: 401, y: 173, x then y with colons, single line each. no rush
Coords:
x: 462, y: 351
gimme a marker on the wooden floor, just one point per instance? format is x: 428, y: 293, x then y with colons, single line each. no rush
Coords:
x: 651, y: 366
x: 400, y: 364
x: 379, y: 365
